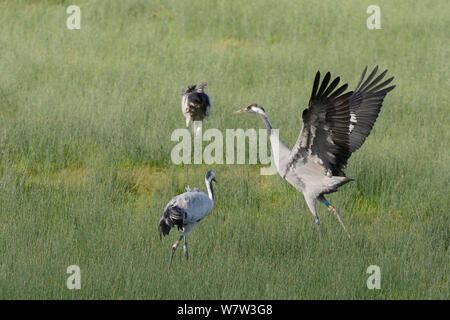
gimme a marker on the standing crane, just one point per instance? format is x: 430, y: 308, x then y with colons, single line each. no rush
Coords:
x: 335, y: 125
x: 196, y: 105
x: 185, y: 211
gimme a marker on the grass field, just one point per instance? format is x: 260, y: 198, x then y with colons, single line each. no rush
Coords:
x: 85, y: 170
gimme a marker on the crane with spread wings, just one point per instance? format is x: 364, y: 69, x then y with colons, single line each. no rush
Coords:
x: 335, y: 125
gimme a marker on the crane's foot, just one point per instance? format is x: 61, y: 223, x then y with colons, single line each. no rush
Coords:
x: 185, y: 249
x: 317, y: 221
x: 331, y: 208
x: 186, y: 254
x: 171, y: 255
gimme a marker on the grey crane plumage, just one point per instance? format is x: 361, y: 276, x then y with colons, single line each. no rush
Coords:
x: 186, y: 210
x: 195, y: 105
x: 335, y: 125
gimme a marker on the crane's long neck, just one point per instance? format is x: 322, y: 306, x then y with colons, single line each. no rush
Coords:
x: 279, y: 150
x: 210, y: 189
x: 266, y: 120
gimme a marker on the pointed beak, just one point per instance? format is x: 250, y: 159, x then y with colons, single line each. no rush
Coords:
x: 240, y: 111
x: 214, y: 179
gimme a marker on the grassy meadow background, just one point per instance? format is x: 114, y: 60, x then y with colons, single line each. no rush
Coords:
x: 85, y: 172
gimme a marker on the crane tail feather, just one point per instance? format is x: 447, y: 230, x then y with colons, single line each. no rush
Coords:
x: 172, y: 216
x: 336, y: 182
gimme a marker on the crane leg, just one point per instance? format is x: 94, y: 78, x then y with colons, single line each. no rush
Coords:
x: 333, y: 209
x: 174, y: 247
x: 188, y: 122
x: 340, y: 220
x: 311, y: 202
x: 317, y: 221
x: 185, y: 248
x: 197, y: 128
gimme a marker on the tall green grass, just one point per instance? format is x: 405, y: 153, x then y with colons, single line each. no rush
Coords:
x: 85, y: 123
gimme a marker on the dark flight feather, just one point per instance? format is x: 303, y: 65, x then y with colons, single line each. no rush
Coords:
x: 172, y: 216
x: 335, y: 124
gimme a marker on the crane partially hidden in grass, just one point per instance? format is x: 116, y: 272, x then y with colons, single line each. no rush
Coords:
x: 185, y: 211
x: 335, y: 125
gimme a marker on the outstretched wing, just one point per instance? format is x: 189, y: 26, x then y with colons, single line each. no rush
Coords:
x: 324, y: 136
x: 365, y: 104
x: 336, y: 123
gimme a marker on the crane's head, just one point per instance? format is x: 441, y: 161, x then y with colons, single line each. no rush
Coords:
x: 210, y: 176
x: 253, y: 108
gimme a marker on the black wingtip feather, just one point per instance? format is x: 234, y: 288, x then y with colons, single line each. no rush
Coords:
x: 376, y: 81
x: 365, y: 106
x: 380, y: 86
x: 315, y: 86
x: 338, y: 91
x: 369, y: 78
x: 324, y: 85
x: 331, y: 87
x: 326, y: 88
x: 361, y: 79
